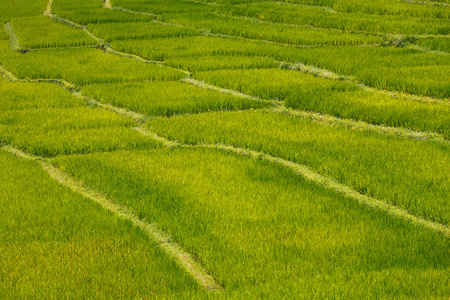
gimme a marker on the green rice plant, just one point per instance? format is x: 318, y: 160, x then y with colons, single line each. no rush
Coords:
x: 221, y: 62
x: 323, y: 18
x: 3, y: 35
x: 167, y: 98
x: 42, y: 32
x: 138, y: 31
x: 164, y: 48
x: 408, y: 173
x: 21, y: 8
x: 81, y: 66
x: 294, y: 35
x: 163, y: 6
x: 49, y: 132
x: 399, y: 69
x: 20, y: 95
x: 337, y: 98
x: 92, y: 11
x: 381, y: 7
x: 435, y: 43
x: 264, y: 232
x: 57, y: 244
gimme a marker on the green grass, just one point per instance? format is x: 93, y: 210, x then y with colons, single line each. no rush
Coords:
x: 167, y: 98
x: 43, y: 32
x: 342, y: 99
x: 294, y: 35
x: 81, y: 66
x: 138, y: 31
x: 264, y: 232
x: 408, y: 173
x: 57, y: 244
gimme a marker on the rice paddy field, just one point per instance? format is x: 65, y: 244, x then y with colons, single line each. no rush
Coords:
x: 224, y: 149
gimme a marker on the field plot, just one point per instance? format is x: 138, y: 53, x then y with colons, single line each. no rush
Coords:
x: 224, y: 149
x: 42, y: 32
x: 167, y: 98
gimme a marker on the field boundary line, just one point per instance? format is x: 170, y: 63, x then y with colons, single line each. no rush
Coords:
x: 183, y: 258
x: 361, y: 125
x: 48, y: 10
x: 327, y: 74
x: 107, y: 4
x: 13, y: 39
x: 70, y: 23
x: 7, y: 75
x: 280, y: 108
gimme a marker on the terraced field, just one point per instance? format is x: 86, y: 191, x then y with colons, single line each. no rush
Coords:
x: 227, y: 149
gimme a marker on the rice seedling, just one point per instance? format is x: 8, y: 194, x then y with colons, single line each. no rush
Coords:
x: 138, y: 31
x: 42, y: 32
x: 167, y: 98
x: 81, y: 66
x: 294, y: 35
x: 265, y: 233
x: 57, y: 244
x: 342, y: 99
x: 408, y: 173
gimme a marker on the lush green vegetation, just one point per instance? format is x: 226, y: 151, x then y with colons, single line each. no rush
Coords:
x: 42, y: 32
x: 51, y: 123
x: 342, y: 99
x: 296, y: 35
x: 138, y: 31
x: 351, y: 21
x: 167, y: 98
x: 411, y: 174
x: 435, y: 43
x: 57, y: 244
x: 78, y: 95
x: 265, y: 232
x: 81, y: 66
